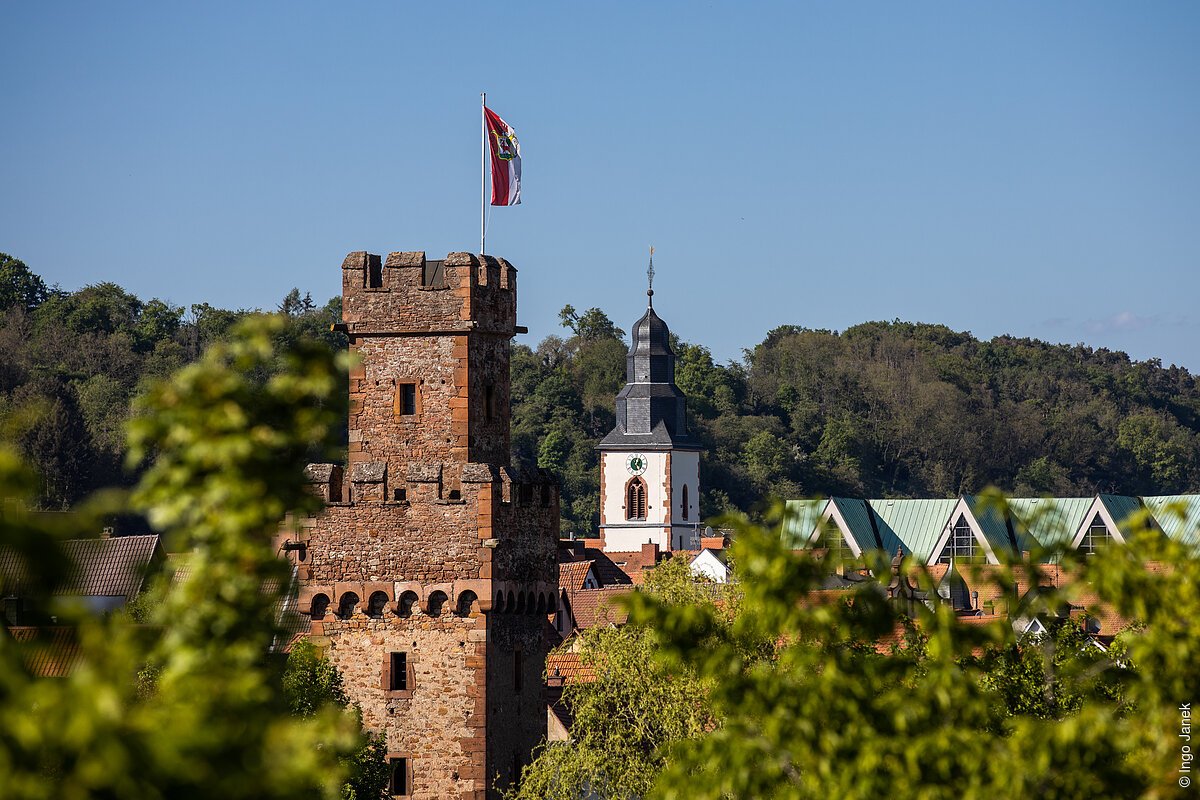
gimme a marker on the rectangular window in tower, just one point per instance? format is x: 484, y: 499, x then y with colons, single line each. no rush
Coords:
x: 399, y: 679
x: 375, y: 274
x: 517, y: 670
x: 489, y: 403
x: 398, y: 675
x: 399, y: 782
x: 406, y: 404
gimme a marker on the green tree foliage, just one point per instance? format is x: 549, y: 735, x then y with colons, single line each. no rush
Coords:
x: 188, y: 704
x: 624, y: 719
x: 903, y: 409
x: 310, y: 683
x: 881, y: 409
x: 829, y: 716
x: 1050, y: 675
x: 71, y: 363
x: 562, y: 405
x: 19, y: 287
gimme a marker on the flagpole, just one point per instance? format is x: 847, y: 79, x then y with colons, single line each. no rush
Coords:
x: 483, y: 175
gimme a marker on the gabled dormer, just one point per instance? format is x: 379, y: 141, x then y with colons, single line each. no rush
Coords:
x: 976, y: 531
x: 1047, y: 522
x: 1110, y: 519
x: 846, y: 529
x: 913, y: 526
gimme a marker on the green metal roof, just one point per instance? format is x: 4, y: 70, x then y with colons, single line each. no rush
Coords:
x: 915, y: 524
x: 858, y: 519
x: 1047, y: 521
x: 1178, y: 515
x: 801, y: 520
x: 1121, y: 508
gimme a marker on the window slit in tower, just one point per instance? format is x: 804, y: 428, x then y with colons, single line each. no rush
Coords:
x: 406, y: 399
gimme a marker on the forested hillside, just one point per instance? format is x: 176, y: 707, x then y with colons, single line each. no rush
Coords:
x: 879, y: 409
x: 70, y: 362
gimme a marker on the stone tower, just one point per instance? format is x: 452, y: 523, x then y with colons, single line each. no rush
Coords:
x: 649, y: 463
x: 430, y: 573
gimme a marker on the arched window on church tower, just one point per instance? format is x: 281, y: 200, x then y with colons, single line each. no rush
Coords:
x: 683, y: 505
x: 635, y: 499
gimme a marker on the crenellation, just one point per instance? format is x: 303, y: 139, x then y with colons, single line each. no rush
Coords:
x: 408, y: 294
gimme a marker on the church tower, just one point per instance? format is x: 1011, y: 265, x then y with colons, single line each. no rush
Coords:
x: 649, y: 463
x: 429, y: 574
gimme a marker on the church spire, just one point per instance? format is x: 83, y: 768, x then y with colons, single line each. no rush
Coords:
x: 651, y: 411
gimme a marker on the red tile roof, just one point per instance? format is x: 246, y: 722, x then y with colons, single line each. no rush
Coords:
x: 112, y: 567
x: 571, y: 575
x: 592, y: 607
x: 568, y: 666
x: 632, y: 564
x: 47, y: 652
x: 605, y: 570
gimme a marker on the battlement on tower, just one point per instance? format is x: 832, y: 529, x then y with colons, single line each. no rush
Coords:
x: 409, y: 293
x: 450, y: 483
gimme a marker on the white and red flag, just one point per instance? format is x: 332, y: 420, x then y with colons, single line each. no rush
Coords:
x: 506, y: 160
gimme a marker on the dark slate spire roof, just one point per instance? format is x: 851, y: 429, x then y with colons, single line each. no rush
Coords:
x: 651, y: 411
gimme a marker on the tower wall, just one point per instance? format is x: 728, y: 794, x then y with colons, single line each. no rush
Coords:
x: 685, y: 471
x: 431, y: 547
x: 666, y: 473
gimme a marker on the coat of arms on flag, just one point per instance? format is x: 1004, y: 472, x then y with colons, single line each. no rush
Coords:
x: 506, y: 161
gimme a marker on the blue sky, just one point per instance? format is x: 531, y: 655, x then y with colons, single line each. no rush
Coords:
x: 1024, y: 168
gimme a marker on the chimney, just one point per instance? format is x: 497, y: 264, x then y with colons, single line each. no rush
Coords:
x: 106, y: 533
x: 649, y: 554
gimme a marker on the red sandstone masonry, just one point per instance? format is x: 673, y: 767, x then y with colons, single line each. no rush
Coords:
x: 428, y: 514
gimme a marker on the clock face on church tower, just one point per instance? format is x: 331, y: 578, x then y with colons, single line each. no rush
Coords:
x: 636, y: 464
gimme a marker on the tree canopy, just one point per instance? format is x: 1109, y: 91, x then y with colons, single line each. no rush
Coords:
x: 72, y: 362
x: 187, y: 704
x: 782, y: 689
x: 632, y: 707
